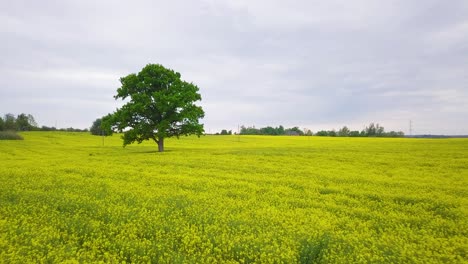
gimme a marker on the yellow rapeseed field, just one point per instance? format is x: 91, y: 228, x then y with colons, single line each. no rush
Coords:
x: 67, y: 197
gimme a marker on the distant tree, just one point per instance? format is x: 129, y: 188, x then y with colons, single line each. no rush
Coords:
x: 332, y: 133
x: 293, y: 131
x: 32, y: 121
x: 95, y: 128
x: 394, y: 134
x: 265, y: 130
x: 25, y: 122
x: 22, y: 123
x: 322, y: 133
x: 71, y: 129
x: 280, y: 130
x: 2, y: 124
x: 379, y: 131
x: 98, y: 129
x: 46, y: 128
x: 224, y: 132
x: 160, y: 105
x: 371, y: 130
x: 308, y: 132
x: 354, y: 133
x: 374, y: 130
x: 268, y: 131
x: 9, y: 122
x: 230, y: 132
x: 249, y: 131
x: 343, y: 132
x: 243, y: 130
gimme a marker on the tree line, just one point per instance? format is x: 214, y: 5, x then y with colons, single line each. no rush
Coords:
x: 372, y: 130
x: 26, y: 122
x: 273, y: 131
x: 21, y: 122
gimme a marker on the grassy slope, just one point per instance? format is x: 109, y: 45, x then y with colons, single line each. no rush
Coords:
x: 64, y: 196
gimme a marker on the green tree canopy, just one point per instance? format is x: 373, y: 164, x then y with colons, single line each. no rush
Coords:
x: 159, y: 105
x: 295, y: 131
x: 98, y: 128
x: 9, y: 122
x: 25, y: 122
x: 343, y: 132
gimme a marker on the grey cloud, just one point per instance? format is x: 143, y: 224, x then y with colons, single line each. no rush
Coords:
x: 304, y: 63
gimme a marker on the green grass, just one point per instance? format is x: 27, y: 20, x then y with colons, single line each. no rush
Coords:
x: 64, y: 197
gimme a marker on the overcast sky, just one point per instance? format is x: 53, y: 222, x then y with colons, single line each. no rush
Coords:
x: 312, y: 64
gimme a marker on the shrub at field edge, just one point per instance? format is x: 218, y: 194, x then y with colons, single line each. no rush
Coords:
x: 10, y: 135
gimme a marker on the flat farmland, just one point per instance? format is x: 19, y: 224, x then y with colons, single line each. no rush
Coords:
x: 76, y: 198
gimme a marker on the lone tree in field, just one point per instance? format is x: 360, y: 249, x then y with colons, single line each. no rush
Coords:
x: 160, y: 105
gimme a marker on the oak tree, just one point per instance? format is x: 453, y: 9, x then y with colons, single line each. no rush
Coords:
x: 159, y: 105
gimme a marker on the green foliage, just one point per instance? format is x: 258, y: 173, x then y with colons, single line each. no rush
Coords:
x: 332, y: 133
x: 23, y: 122
x: 322, y: 133
x: 10, y: 135
x: 9, y: 122
x: 46, y: 128
x: 294, y: 131
x: 160, y: 106
x: 270, y: 131
x: 219, y: 200
x: 71, y: 129
x: 225, y: 132
x: 249, y: 131
x: 354, y: 133
x: 99, y: 128
x: 343, y: 132
x: 273, y: 131
x: 394, y: 134
x: 373, y: 130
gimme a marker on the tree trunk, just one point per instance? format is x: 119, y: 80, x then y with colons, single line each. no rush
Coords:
x: 161, y: 144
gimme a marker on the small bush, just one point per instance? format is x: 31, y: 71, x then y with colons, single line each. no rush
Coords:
x: 9, y: 135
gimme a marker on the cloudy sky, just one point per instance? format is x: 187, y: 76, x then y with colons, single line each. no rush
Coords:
x: 312, y: 64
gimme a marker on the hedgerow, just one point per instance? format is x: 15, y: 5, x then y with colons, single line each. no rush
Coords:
x: 10, y: 135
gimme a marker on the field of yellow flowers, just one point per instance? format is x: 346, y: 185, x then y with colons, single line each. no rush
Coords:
x: 76, y: 198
